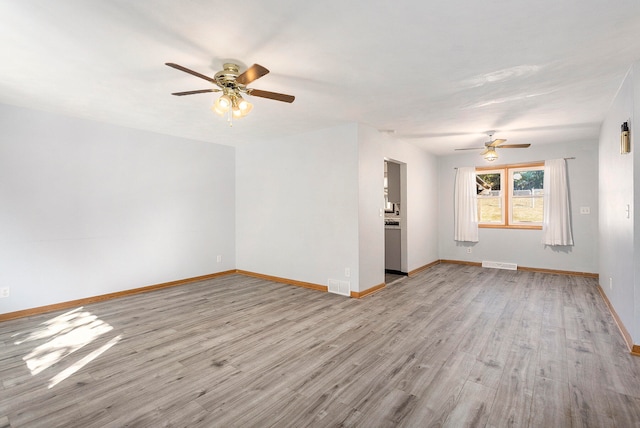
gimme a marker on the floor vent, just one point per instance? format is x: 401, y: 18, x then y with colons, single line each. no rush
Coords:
x: 500, y: 265
x: 340, y: 287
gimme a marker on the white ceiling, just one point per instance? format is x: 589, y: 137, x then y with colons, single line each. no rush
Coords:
x: 439, y: 72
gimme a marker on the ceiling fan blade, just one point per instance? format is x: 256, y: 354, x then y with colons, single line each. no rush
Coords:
x: 271, y: 95
x: 199, y: 91
x: 485, y: 152
x: 193, y: 73
x: 252, y: 73
x: 472, y: 148
x: 496, y: 143
x: 514, y: 146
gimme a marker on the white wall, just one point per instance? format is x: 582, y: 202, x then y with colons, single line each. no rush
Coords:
x: 308, y: 206
x: 420, y: 204
x: 297, y: 206
x: 618, y: 237
x: 634, y: 327
x: 524, y: 246
x: 88, y: 208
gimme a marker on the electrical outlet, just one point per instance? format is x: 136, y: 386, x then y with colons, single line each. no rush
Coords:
x: 469, y: 250
x: 219, y: 259
x: 347, y: 272
x: 4, y: 292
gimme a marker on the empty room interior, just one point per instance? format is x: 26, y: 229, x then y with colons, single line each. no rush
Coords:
x: 332, y: 214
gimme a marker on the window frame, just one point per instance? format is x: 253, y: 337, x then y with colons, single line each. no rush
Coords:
x: 506, y: 187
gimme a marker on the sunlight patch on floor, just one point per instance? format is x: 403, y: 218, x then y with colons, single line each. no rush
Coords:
x: 66, y: 334
x: 83, y: 362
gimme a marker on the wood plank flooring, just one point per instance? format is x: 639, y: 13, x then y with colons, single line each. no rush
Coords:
x: 452, y: 346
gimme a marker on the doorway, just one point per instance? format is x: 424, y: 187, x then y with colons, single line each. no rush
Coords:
x: 395, y: 221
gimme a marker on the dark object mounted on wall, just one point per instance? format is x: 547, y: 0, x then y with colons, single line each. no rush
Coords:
x: 625, y: 142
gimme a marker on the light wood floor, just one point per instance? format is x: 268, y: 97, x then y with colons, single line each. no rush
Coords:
x: 453, y: 346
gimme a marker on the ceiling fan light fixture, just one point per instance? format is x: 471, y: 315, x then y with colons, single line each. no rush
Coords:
x: 216, y: 110
x: 490, y: 156
x: 237, y: 113
x: 244, y: 106
x: 222, y: 105
x: 240, y: 108
x: 224, y: 102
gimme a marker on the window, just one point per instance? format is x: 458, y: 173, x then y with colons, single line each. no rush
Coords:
x: 511, y: 196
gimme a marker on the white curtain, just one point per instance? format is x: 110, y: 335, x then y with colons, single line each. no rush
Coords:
x: 465, y: 206
x: 556, y: 225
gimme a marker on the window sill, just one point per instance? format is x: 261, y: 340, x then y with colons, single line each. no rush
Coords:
x: 510, y: 226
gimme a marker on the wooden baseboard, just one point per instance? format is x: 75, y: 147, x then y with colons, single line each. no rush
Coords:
x: 284, y: 280
x: 633, y: 349
x: 461, y: 262
x: 79, y: 302
x: 425, y: 267
x: 528, y: 269
x: 354, y: 294
x: 368, y: 291
x: 560, y: 272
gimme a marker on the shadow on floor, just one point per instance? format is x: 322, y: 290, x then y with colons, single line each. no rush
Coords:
x: 392, y: 278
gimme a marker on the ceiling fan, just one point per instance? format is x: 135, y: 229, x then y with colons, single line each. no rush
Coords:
x: 489, y: 149
x: 233, y: 85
